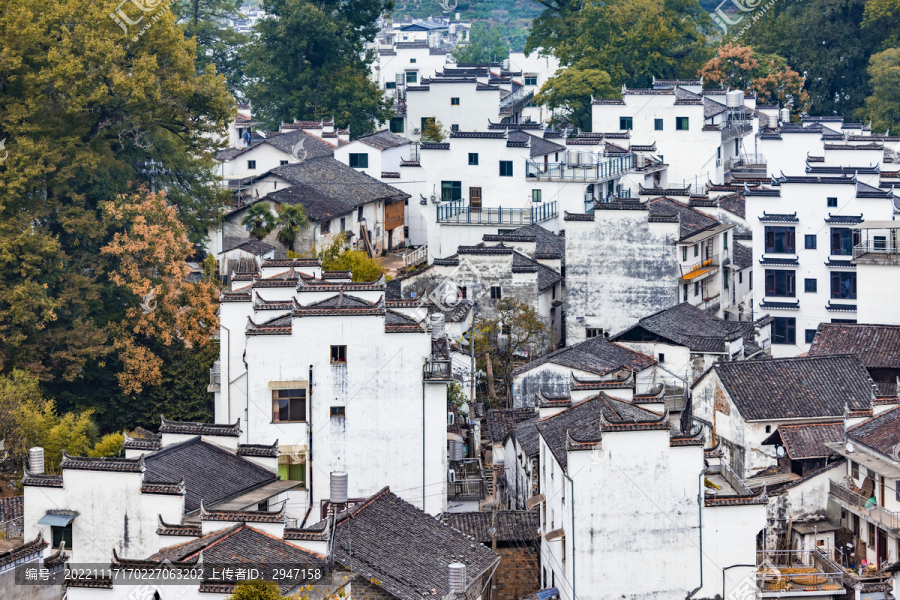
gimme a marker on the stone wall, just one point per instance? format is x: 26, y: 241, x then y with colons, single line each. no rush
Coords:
x: 518, y: 574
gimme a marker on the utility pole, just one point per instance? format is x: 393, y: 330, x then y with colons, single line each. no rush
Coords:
x: 153, y: 169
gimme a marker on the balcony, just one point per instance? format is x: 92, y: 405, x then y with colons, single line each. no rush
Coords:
x: 748, y: 164
x: 862, y: 506
x: 700, y: 269
x: 468, y: 481
x: 215, y: 377
x: 876, y: 253
x: 438, y: 369
x: 736, y: 129
x: 711, y: 304
x: 515, y: 102
x: 454, y: 213
x: 585, y: 167
x: 797, y: 573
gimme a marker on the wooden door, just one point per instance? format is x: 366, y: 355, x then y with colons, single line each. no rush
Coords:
x: 475, y: 199
x: 881, y: 551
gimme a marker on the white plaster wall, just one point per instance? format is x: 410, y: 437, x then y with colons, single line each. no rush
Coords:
x: 875, y: 285
x: 472, y: 114
x: 729, y: 538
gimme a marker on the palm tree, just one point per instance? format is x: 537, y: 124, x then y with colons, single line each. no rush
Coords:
x: 292, y: 218
x: 259, y: 220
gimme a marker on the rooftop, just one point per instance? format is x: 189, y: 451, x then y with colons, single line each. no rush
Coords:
x: 803, y: 442
x: 500, y: 421
x: 877, y: 346
x: 512, y: 525
x: 687, y: 325
x: 692, y: 221
x: 880, y: 433
x: 597, y: 355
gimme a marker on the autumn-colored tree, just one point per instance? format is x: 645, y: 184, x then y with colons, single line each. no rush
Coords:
x: 260, y: 220
x: 515, y: 332
x: 147, y: 262
x: 883, y: 106
x: 292, y: 218
x: 42, y: 426
x: 433, y: 131
x: 16, y: 390
x: 110, y: 444
x: 256, y: 589
x: 769, y: 77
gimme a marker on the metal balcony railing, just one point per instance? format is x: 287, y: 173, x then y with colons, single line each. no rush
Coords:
x: 438, y: 369
x: 876, y: 253
x: 595, y: 171
x: 703, y: 267
x: 737, y: 129
x: 747, y: 163
x: 711, y: 304
x: 515, y: 102
x: 215, y: 375
x: 854, y: 501
x: 797, y: 573
x: 455, y: 213
x: 469, y: 484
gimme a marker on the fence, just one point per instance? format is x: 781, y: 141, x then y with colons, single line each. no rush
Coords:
x: 455, y: 213
x: 739, y: 129
x: 863, y: 505
x: 596, y: 170
x: 877, y: 253
x: 419, y: 255
x: 12, y: 528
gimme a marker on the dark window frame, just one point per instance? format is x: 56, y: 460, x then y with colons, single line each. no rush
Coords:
x: 359, y: 160
x: 843, y: 285
x: 626, y: 123
x: 473, y: 159
x: 784, y: 330
x: 780, y: 239
x: 290, y: 403
x: 781, y: 283
x: 506, y: 168
x: 338, y: 355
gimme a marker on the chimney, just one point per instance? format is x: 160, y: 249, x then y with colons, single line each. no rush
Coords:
x: 457, y: 575
x: 36, y: 460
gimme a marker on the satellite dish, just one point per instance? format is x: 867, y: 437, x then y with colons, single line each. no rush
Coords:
x: 779, y: 451
x: 850, y: 448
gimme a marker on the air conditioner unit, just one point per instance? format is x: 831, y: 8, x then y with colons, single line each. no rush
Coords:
x: 451, y: 476
x: 415, y: 130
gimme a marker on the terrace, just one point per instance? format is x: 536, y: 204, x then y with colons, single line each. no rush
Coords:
x: 455, y: 213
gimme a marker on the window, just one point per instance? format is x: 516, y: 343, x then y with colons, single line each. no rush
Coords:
x: 696, y: 288
x: 625, y: 123
x: 338, y: 411
x: 535, y: 195
x: 397, y: 125
x: 751, y: 280
x: 843, y: 286
x: 809, y: 242
x: 725, y: 278
x: 410, y: 77
x: 359, y: 161
x: 553, y: 293
x: 530, y: 79
x: 263, y: 506
x: 454, y: 127
x: 343, y: 224
x: 779, y: 240
x: 289, y: 471
x: 412, y: 60
x: 326, y: 227
x: 662, y: 357
x: 282, y: 162
x: 251, y: 165
x: 683, y: 253
x: 843, y: 321
x: 454, y: 101
x: 657, y: 124
x: 681, y: 123
x: 780, y: 283
x: 495, y: 292
x: 871, y: 539
x: 784, y: 330
x: 685, y: 293
x: 879, y: 242
x: 462, y: 292
x: 809, y: 335
x: 854, y: 469
x: 451, y: 190
x: 473, y: 158
x: 768, y: 429
x: 338, y: 354
x: 62, y: 534
x: 810, y: 286
x: 359, y: 215
x: 696, y: 250
x: 725, y: 240
x: 390, y: 85
x: 288, y: 405
x: 592, y: 332
x: 832, y: 203
x: 506, y: 168
x: 843, y: 240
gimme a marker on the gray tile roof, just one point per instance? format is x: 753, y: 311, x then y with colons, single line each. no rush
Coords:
x: 512, y: 525
x: 210, y: 473
x: 313, y: 146
x: 191, y: 428
x: 734, y: 203
x: 547, y: 277
x: 333, y: 179
x: 383, y: 140
x: 500, y: 421
x: 795, y: 388
x: 802, y: 442
x: 687, y: 325
x: 596, y: 355
x: 692, y: 221
x: 877, y: 346
x: 538, y: 145
x: 880, y: 434
x: 319, y: 206
x: 712, y: 108
x: 527, y: 435
x: 11, y: 508
x: 743, y: 256
x: 404, y: 549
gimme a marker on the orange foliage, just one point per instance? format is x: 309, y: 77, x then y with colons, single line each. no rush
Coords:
x: 147, y: 259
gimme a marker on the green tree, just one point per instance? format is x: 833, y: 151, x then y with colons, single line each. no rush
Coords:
x: 81, y: 109
x: 309, y: 62
x: 256, y: 589
x: 456, y: 396
x: 42, y: 426
x: 824, y: 40
x: 485, y: 46
x: 632, y: 40
x: 883, y: 106
x: 292, y: 218
x: 204, y: 22
x: 110, y: 444
x: 338, y: 257
x: 260, y: 220
x: 433, y: 131
x: 570, y: 92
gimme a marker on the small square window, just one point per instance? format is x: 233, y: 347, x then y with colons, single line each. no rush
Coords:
x: 62, y: 534
x: 809, y: 241
x: 454, y: 127
x: 506, y: 168
x: 454, y: 101
x: 326, y: 227
x: 809, y: 335
x: 535, y: 195
x: 662, y: 357
x: 338, y: 411
x: 288, y: 405
x: 657, y: 124
x: 473, y: 158
x: 681, y: 123
x: 359, y: 161
x: 251, y: 165
x: 592, y: 332
x: 832, y: 203
x: 496, y: 293
x: 390, y: 85
x: 531, y: 80
x: 625, y: 123
x: 412, y: 60
x: 397, y: 125
x: 810, y: 286
x: 410, y: 77
x: 282, y: 162
x: 338, y: 354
